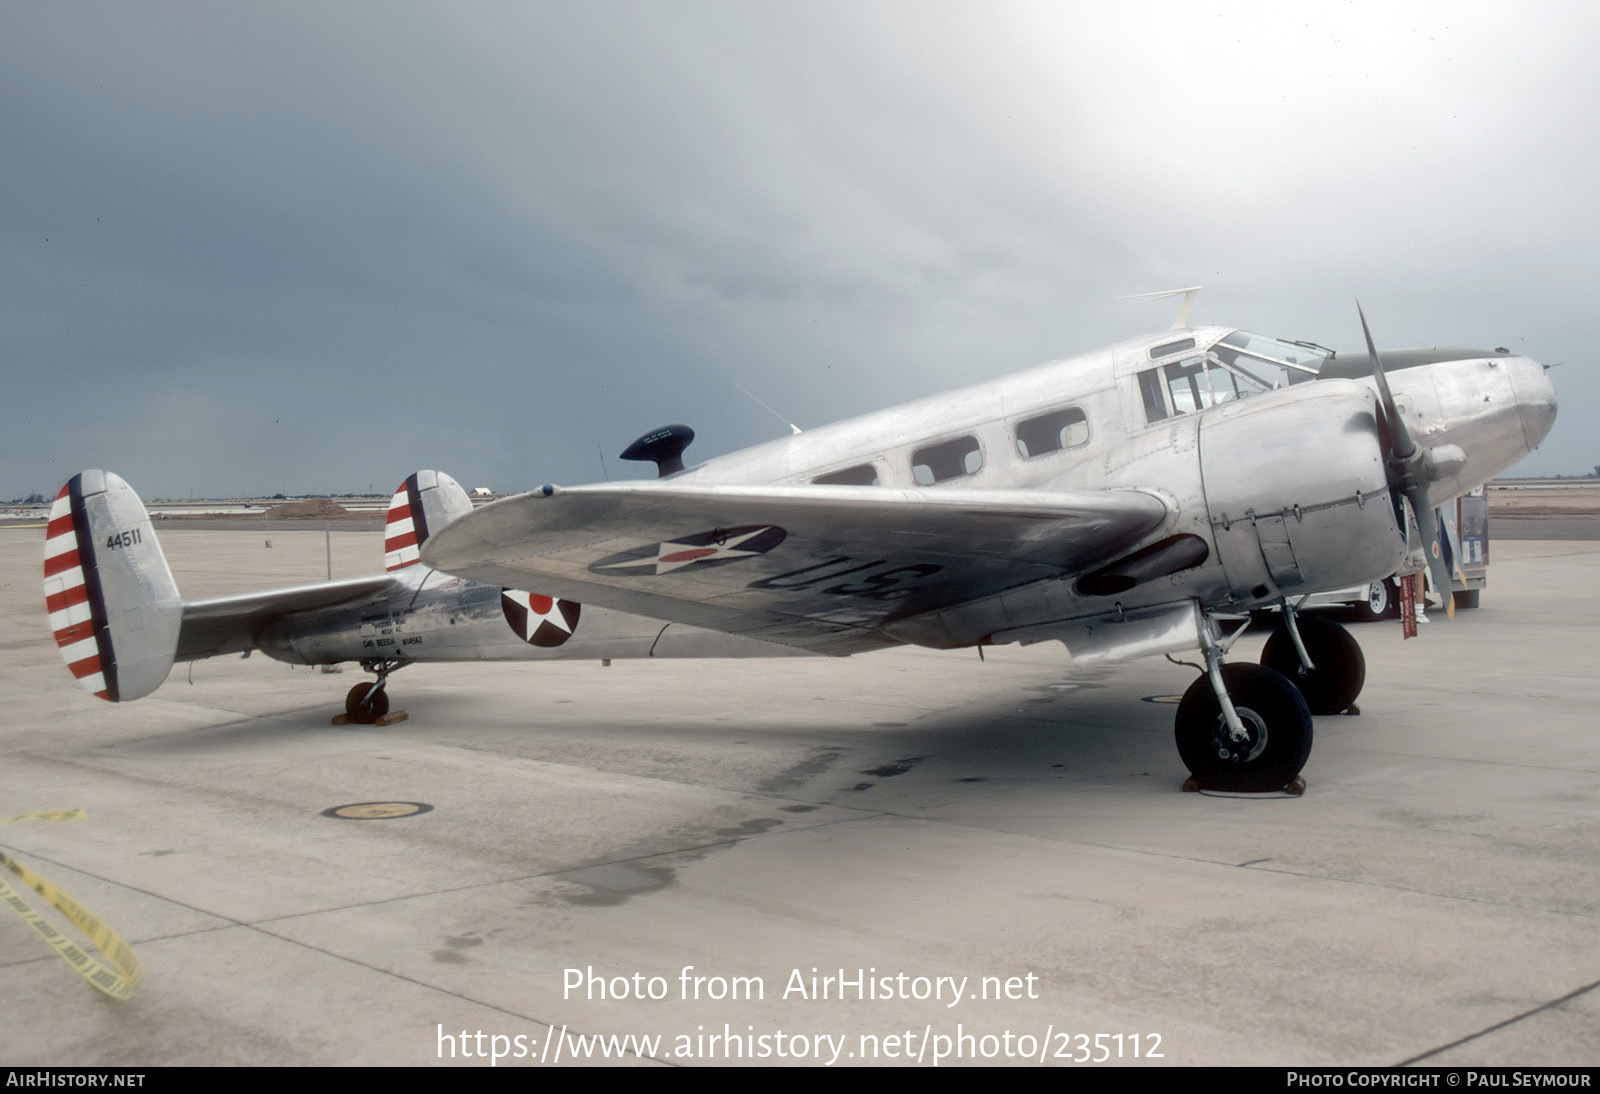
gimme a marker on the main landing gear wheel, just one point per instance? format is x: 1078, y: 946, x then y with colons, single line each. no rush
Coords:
x: 1277, y: 728
x: 366, y: 703
x: 1340, y: 671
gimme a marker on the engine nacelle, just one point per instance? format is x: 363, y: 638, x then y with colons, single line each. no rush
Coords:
x: 1297, y: 494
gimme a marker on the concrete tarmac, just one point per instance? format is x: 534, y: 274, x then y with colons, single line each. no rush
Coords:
x: 1433, y: 898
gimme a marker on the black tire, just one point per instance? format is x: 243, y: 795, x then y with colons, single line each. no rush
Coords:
x: 365, y: 705
x: 1466, y: 598
x: 1275, y: 717
x: 1341, y: 668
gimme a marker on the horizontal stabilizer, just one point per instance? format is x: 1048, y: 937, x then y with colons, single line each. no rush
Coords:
x: 229, y: 624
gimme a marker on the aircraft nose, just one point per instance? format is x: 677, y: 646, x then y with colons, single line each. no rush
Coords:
x: 1536, y: 399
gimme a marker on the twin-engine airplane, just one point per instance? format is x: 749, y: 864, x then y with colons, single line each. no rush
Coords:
x: 1126, y: 502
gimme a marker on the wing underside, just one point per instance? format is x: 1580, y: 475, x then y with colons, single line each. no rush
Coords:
x: 825, y: 568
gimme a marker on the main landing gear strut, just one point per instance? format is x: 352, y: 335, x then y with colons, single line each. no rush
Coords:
x: 365, y: 704
x: 1243, y: 727
x: 1319, y: 657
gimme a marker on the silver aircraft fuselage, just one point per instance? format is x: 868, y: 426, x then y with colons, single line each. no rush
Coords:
x: 1282, y: 483
x: 431, y: 616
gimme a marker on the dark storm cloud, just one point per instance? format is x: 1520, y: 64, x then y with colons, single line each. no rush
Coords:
x: 297, y: 247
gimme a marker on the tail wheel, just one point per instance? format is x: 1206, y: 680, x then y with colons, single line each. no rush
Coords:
x: 366, y: 703
x: 1276, y: 722
x: 1341, y: 668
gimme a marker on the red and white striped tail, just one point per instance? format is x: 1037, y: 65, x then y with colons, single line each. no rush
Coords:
x: 82, y: 638
x: 114, y: 609
x: 401, y: 543
x: 424, y: 503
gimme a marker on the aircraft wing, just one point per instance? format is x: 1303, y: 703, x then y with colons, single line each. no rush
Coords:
x: 229, y: 624
x: 819, y: 567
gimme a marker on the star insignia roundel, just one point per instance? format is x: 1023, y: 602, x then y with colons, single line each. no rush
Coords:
x: 713, y: 548
x: 539, y: 620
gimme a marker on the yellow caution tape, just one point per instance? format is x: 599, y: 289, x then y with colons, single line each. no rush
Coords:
x: 58, y: 815
x: 119, y: 974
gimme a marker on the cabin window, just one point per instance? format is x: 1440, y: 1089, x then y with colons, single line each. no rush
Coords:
x: 946, y: 460
x: 865, y: 474
x: 1052, y: 432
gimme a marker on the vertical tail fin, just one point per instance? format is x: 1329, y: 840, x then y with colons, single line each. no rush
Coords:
x: 114, y: 608
x: 424, y: 503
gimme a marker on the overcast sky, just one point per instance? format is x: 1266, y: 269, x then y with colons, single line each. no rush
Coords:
x: 281, y: 247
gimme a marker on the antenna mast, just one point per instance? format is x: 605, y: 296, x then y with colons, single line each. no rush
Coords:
x: 1188, y: 295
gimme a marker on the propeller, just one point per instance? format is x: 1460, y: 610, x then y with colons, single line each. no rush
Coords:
x: 1411, y: 469
x: 1450, y: 540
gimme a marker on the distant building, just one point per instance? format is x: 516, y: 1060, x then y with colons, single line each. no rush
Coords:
x: 482, y: 492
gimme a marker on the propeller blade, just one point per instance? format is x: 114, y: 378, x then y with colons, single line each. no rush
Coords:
x: 1411, y: 470
x: 1438, y: 568
x: 1400, y: 437
x: 1450, y: 541
x: 1433, y: 549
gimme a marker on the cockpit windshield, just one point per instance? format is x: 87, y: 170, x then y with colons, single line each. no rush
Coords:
x: 1283, y: 363
x: 1234, y: 367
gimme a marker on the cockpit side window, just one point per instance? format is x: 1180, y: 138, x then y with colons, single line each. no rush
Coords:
x: 1155, y: 403
x: 1196, y: 384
